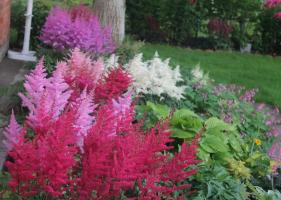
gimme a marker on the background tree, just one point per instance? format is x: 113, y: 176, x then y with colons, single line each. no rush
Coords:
x: 112, y: 12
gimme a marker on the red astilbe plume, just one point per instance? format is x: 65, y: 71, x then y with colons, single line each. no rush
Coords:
x: 113, y: 163
x: 114, y: 84
x: 171, y: 175
x: 44, y: 164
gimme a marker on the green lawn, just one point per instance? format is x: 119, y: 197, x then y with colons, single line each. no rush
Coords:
x: 251, y: 71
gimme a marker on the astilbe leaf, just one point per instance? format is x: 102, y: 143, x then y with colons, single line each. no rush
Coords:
x: 12, y: 133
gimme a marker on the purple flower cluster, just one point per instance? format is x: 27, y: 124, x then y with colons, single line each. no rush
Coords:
x: 77, y: 28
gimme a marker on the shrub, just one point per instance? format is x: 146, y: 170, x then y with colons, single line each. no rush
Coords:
x: 77, y: 27
x: 269, y: 27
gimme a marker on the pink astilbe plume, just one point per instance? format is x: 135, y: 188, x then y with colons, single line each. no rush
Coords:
x: 12, y: 133
x: 114, y: 84
x: 84, y: 119
x: 44, y: 164
x: 77, y: 28
x: 81, y: 72
x: 45, y: 98
x: 35, y: 84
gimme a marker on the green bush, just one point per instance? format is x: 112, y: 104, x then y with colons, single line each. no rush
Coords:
x: 268, y: 38
x: 184, y: 23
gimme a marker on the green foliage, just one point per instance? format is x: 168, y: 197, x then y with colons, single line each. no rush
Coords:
x: 185, y: 124
x: 182, y: 22
x: 268, y: 37
x: 215, y: 183
x: 51, y: 57
x: 171, y: 21
x: 128, y: 49
x: 152, y: 113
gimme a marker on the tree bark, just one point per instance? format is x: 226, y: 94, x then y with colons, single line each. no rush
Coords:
x: 112, y: 13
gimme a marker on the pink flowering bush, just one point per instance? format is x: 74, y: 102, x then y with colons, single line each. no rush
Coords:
x: 77, y: 27
x: 79, y: 144
x: 220, y: 27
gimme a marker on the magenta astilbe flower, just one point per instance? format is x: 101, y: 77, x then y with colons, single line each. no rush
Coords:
x: 12, y: 133
x: 69, y: 29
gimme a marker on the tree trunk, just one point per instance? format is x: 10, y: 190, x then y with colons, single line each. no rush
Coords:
x: 112, y: 12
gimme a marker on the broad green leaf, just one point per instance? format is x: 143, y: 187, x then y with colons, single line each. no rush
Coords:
x: 182, y: 134
x: 215, y: 143
x: 161, y: 111
x: 214, y: 122
x: 234, y: 143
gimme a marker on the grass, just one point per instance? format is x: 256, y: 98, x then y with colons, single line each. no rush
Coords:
x: 251, y: 71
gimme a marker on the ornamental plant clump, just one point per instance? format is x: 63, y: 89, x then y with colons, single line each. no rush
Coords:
x: 155, y: 77
x: 74, y: 146
x: 77, y: 27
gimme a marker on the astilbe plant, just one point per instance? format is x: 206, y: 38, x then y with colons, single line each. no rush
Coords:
x: 155, y: 77
x: 77, y: 27
x: 71, y: 148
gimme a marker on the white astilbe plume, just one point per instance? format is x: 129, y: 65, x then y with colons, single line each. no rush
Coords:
x: 199, y: 76
x: 155, y: 77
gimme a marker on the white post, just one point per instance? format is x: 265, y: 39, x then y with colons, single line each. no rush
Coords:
x: 25, y: 54
x: 27, y: 31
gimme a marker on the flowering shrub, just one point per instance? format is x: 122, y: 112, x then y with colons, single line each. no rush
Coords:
x: 220, y: 27
x: 272, y: 3
x: 73, y: 145
x: 77, y: 27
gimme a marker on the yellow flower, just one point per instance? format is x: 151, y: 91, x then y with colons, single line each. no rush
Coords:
x: 258, y: 142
